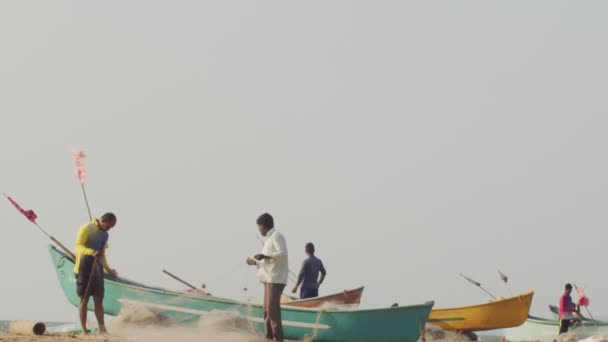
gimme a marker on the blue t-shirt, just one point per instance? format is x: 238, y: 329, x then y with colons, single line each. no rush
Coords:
x: 309, y: 272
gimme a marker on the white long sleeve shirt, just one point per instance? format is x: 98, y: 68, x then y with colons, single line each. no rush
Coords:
x: 275, y: 269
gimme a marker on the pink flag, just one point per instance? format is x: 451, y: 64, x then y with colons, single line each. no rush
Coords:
x: 81, y: 172
x: 583, y: 300
x: 30, y: 214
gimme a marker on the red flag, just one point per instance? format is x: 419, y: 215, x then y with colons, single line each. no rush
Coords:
x: 583, y: 300
x: 81, y: 172
x: 30, y: 214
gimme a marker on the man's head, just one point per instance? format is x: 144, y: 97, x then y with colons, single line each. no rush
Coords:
x: 568, y: 288
x: 107, y: 221
x: 265, y: 223
x: 310, y: 248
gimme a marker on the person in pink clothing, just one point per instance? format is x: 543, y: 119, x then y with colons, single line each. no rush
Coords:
x: 567, y: 309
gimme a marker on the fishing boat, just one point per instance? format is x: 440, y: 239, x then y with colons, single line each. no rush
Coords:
x: 497, y: 314
x: 402, y: 323
x: 350, y: 298
x: 542, y: 329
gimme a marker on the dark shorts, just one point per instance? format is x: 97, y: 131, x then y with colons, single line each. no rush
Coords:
x: 84, y: 273
x: 564, y: 324
x: 308, y: 293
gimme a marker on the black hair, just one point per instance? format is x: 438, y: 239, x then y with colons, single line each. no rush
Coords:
x: 568, y: 286
x: 265, y: 220
x: 310, y: 248
x: 108, y: 217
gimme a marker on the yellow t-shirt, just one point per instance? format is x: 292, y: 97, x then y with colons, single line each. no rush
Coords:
x: 90, y: 239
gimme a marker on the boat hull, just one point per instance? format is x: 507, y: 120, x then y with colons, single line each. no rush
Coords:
x: 351, y: 298
x: 498, y: 314
x: 387, y: 324
x: 541, y: 329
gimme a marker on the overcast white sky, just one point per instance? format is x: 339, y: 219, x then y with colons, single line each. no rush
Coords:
x: 410, y: 141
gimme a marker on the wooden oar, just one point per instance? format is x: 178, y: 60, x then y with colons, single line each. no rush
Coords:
x: 64, y: 248
x: 476, y: 283
x: 184, y: 282
x: 88, y: 289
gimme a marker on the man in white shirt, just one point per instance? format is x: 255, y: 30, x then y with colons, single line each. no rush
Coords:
x: 272, y: 271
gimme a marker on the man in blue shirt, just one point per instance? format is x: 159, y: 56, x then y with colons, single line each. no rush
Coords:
x: 309, y: 274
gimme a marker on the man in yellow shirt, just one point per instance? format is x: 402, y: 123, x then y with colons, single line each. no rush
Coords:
x: 91, y: 243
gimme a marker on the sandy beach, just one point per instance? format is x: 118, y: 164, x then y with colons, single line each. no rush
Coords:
x: 218, y: 329
x: 151, y: 334
x: 59, y: 337
x: 139, y: 335
x: 135, y: 325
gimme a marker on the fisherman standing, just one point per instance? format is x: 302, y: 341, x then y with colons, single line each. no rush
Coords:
x: 567, y: 309
x: 273, y: 269
x: 91, y: 243
x: 309, y: 274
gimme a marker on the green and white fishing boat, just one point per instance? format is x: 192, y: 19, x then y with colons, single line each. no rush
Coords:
x: 542, y: 329
x: 402, y: 323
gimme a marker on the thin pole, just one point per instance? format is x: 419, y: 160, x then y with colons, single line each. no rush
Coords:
x: 580, y: 293
x: 504, y: 278
x: 589, y: 312
x: 476, y: 283
x: 180, y: 280
x: 64, y: 248
x: 84, y: 193
x: 86, y: 201
x: 49, y: 236
x: 186, y: 283
x: 86, y: 292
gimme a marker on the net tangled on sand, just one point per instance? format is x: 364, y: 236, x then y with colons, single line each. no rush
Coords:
x: 602, y: 338
x: 433, y: 333
x: 567, y: 337
x: 136, y: 316
x: 225, y: 321
x: 139, y: 324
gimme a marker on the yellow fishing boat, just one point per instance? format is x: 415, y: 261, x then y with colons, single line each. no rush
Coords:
x: 497, y: 314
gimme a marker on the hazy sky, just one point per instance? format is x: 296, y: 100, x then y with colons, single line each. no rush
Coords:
x: 410, y: 141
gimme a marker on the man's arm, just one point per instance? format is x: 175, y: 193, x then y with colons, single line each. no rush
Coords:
x: 572, y: 305
x: 301, y: 274
x: 300, y: 277
x: 81, y: 239
x: 565, y: 305
x: 104, y: 260
x: 280, y: 245
x: 323, y: 273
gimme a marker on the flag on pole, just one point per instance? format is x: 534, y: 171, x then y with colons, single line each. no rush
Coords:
x: 81, y: 172
x: 583, y: 300
x: 503, y: 276
x: 30, y: 214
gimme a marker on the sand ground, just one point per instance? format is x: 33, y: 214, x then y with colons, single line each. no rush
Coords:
x: 59, y: 337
